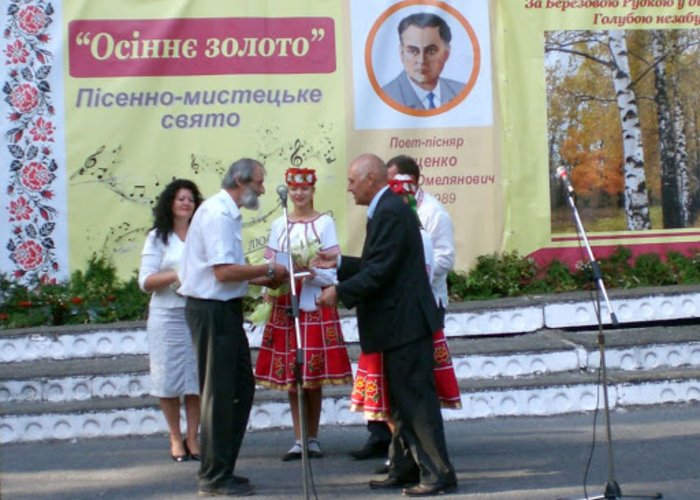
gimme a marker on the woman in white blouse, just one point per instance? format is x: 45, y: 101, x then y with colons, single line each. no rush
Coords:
x: 326, y: 357
x: 171, y: 355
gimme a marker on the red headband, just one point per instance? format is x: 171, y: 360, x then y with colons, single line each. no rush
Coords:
x: 403, y: 184
x: 300, y: 177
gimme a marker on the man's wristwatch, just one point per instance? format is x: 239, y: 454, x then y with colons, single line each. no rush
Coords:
x: 270, y: 270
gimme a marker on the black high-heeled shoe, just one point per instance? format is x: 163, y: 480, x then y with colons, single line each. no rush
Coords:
x: 180, y: 458
x: 190, y: 455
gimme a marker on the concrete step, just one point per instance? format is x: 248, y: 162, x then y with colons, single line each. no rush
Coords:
x: 512, y: 357
x: 542, y: 394
x: 544, y: 351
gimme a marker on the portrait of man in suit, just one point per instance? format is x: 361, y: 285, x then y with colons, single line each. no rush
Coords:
x: 424, y: 48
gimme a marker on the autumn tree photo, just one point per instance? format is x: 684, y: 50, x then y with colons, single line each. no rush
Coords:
x: 623, y: 122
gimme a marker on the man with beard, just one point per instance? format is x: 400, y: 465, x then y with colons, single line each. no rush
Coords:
x: 214, y: 277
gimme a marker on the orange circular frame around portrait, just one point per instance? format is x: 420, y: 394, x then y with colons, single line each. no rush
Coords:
x: 370, y: 68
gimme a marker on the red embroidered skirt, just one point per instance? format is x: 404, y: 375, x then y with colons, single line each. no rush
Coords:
x: 370, y: 397
x: 326, y: 356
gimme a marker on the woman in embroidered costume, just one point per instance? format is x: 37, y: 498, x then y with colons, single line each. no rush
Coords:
x: 369, y: 395
x: 326, y: 358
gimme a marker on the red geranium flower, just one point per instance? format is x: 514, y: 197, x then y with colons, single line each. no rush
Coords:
x: 76, y: 300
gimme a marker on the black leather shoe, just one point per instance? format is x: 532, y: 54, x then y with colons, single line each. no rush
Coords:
x: 371, y: 450
x: 429, y: 490
x: 240, y: 479
x: 231, y: 489
x: 180, y: 458
x: 391, y: 483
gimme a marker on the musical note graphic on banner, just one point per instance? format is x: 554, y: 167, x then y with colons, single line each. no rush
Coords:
x: 123, y: 238
x: 314, y: 152
x: 200, y: 164
x: 108, y: 160
x: 138, y: 190
x: 328, y: 145
x: 295, y: 159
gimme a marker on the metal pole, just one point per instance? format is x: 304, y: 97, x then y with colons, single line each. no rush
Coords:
x: 299, y: 362
x: 612, y: 488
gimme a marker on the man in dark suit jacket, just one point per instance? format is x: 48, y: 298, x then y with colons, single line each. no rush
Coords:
x: 396, y: 315
x: 424, y: 49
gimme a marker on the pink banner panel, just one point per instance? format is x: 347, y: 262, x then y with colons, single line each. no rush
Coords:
x: 203, y: 46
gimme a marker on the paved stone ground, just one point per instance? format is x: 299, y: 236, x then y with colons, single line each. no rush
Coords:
x: 656, y: 449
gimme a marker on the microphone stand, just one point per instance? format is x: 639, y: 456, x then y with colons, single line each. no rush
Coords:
x: 612, y: 488
x: 293, y: 311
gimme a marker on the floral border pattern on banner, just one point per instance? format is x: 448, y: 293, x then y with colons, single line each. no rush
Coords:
x: 30, y: 140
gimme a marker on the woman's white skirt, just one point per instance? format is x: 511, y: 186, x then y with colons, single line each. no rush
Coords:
x: 171, y: 354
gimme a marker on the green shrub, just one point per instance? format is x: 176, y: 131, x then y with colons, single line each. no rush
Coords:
x: 94, y: 296
x: 558, y: 278
x: 97, y: 295
x: 498, y: 275
x: 686, y: 270
x: 509, y: 274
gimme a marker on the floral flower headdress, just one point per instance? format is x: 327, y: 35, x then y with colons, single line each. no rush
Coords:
x: 403, y: 184
x: 296, y: 177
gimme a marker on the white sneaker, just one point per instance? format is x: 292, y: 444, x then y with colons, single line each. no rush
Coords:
x: 294, y: 452
x: 315, y: 448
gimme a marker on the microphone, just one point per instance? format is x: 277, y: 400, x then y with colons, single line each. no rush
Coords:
x: 561, y: 173
x: 282, y: 193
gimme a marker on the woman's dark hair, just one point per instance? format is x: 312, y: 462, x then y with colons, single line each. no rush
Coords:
x: 163, y: 211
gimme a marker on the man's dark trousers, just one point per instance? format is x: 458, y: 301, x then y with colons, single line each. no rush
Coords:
x: 419, y: 437
x: 226, y: 384
x: 379, y: 433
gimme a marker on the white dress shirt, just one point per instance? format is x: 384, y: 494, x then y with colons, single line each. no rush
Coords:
x: 436, y: 221
x: 214, y: 237
x: 423, y: 95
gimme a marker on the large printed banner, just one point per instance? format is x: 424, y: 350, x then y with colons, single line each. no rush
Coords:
x: 109, y: 101
x: 603, y: 92
x: 105, y: 102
